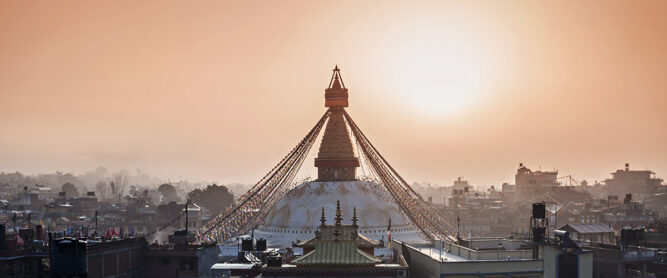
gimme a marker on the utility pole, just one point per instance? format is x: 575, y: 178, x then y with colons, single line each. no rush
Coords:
x: 440, y: 247
x: 186, y: 216
x: 95, y: 234
x: 458, y: 227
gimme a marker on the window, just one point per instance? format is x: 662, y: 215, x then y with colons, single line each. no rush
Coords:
x: 187, y: 265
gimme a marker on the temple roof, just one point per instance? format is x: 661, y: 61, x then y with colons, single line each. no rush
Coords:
x: 336, y: 253
x: 346, y: 234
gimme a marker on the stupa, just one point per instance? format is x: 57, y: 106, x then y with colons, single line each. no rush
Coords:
x: 297, y: 215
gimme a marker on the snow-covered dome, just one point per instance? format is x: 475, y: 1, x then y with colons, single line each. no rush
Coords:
x: 297, y: 215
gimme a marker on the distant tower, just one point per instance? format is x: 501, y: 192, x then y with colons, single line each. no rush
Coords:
x: 335, y: 160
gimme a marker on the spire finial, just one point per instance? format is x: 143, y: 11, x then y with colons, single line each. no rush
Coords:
x: 354, y: 217
x: 339, y: 214
x: 323, y: 219
x: 336, y: 233
x: 336, y: 82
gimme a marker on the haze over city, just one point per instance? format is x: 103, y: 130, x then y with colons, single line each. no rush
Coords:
x: 220, y: 91
x: 300, y: 138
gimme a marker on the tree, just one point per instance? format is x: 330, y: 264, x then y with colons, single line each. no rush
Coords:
x: 118, y: 184
x: 168, y: 211
x: 168, y: 191
x: 70, y: 190
x: 102, y: 189
x: 215, y: 198
x: 101, y: 171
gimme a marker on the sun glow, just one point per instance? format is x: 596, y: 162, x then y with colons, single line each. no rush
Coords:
x: 441, y: 95
x: 441, y: 83
x: 438, y: 74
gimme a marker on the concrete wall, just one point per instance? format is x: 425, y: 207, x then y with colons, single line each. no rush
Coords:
x: 531, y: 268
x: 164, y: 263
x: 207, y: 258
x: 586, y: 265
x: 422, y: 265
x: 123, y: 258
x: 488, y: 254
x: 550, y: 256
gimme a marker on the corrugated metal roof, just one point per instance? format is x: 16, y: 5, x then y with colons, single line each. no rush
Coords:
x: 336, y: 252
x: 588, y: 228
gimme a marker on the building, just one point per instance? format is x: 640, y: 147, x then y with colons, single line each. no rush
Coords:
x: 72, y: 257
x: 332, y: 232
x: 628, y: 214
x: 338, y: 251
x: 85, y: 204
x: 527, y: 178
x: 295, y: 216
x: 194, y: 217
x: 180, y: 258
x: 461, y: 188
x: 627, y: 258
x: 44, y: 192
x: 23, y: 254
x: 530, y: 184
x: 461, y: 191
x: 508, y: 258
x: 593, y: 233
x: 640, y: 183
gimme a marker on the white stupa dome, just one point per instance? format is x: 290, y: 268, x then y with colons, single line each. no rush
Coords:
x: 297, y: 215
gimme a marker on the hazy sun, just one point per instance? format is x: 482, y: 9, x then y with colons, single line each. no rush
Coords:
x: 441, y: 95
x: 439, y: 79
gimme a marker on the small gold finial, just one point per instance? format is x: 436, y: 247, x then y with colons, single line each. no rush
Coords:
x: 354, y: 217
x: 339, y: 214
x: 323, y: 219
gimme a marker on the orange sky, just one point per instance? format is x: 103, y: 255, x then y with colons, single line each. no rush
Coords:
x: 221, y: 90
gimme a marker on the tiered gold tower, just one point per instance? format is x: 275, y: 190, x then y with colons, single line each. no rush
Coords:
x: 335, y: 160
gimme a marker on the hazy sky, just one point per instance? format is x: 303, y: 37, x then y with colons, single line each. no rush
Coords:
x: 220, y: 91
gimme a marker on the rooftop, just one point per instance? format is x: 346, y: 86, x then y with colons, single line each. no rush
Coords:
x: 587, y: 228
x: 336, y: 253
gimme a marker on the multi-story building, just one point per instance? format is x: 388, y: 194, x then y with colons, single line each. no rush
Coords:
x: 23, y: 254
x: 44, y: 192
x: 71, y: 257
x: 641, y: 183
x: 181, y: 257
x: 527, y: 178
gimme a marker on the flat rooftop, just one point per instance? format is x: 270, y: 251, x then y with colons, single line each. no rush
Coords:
x: 451, y: 252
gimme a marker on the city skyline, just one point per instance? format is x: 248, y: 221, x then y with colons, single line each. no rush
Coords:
x: 220, y: 92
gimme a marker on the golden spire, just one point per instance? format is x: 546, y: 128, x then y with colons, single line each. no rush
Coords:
x: 323, y: 219
x: 339, y: 215
x: 354, y: 217
x: 335, y: 160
